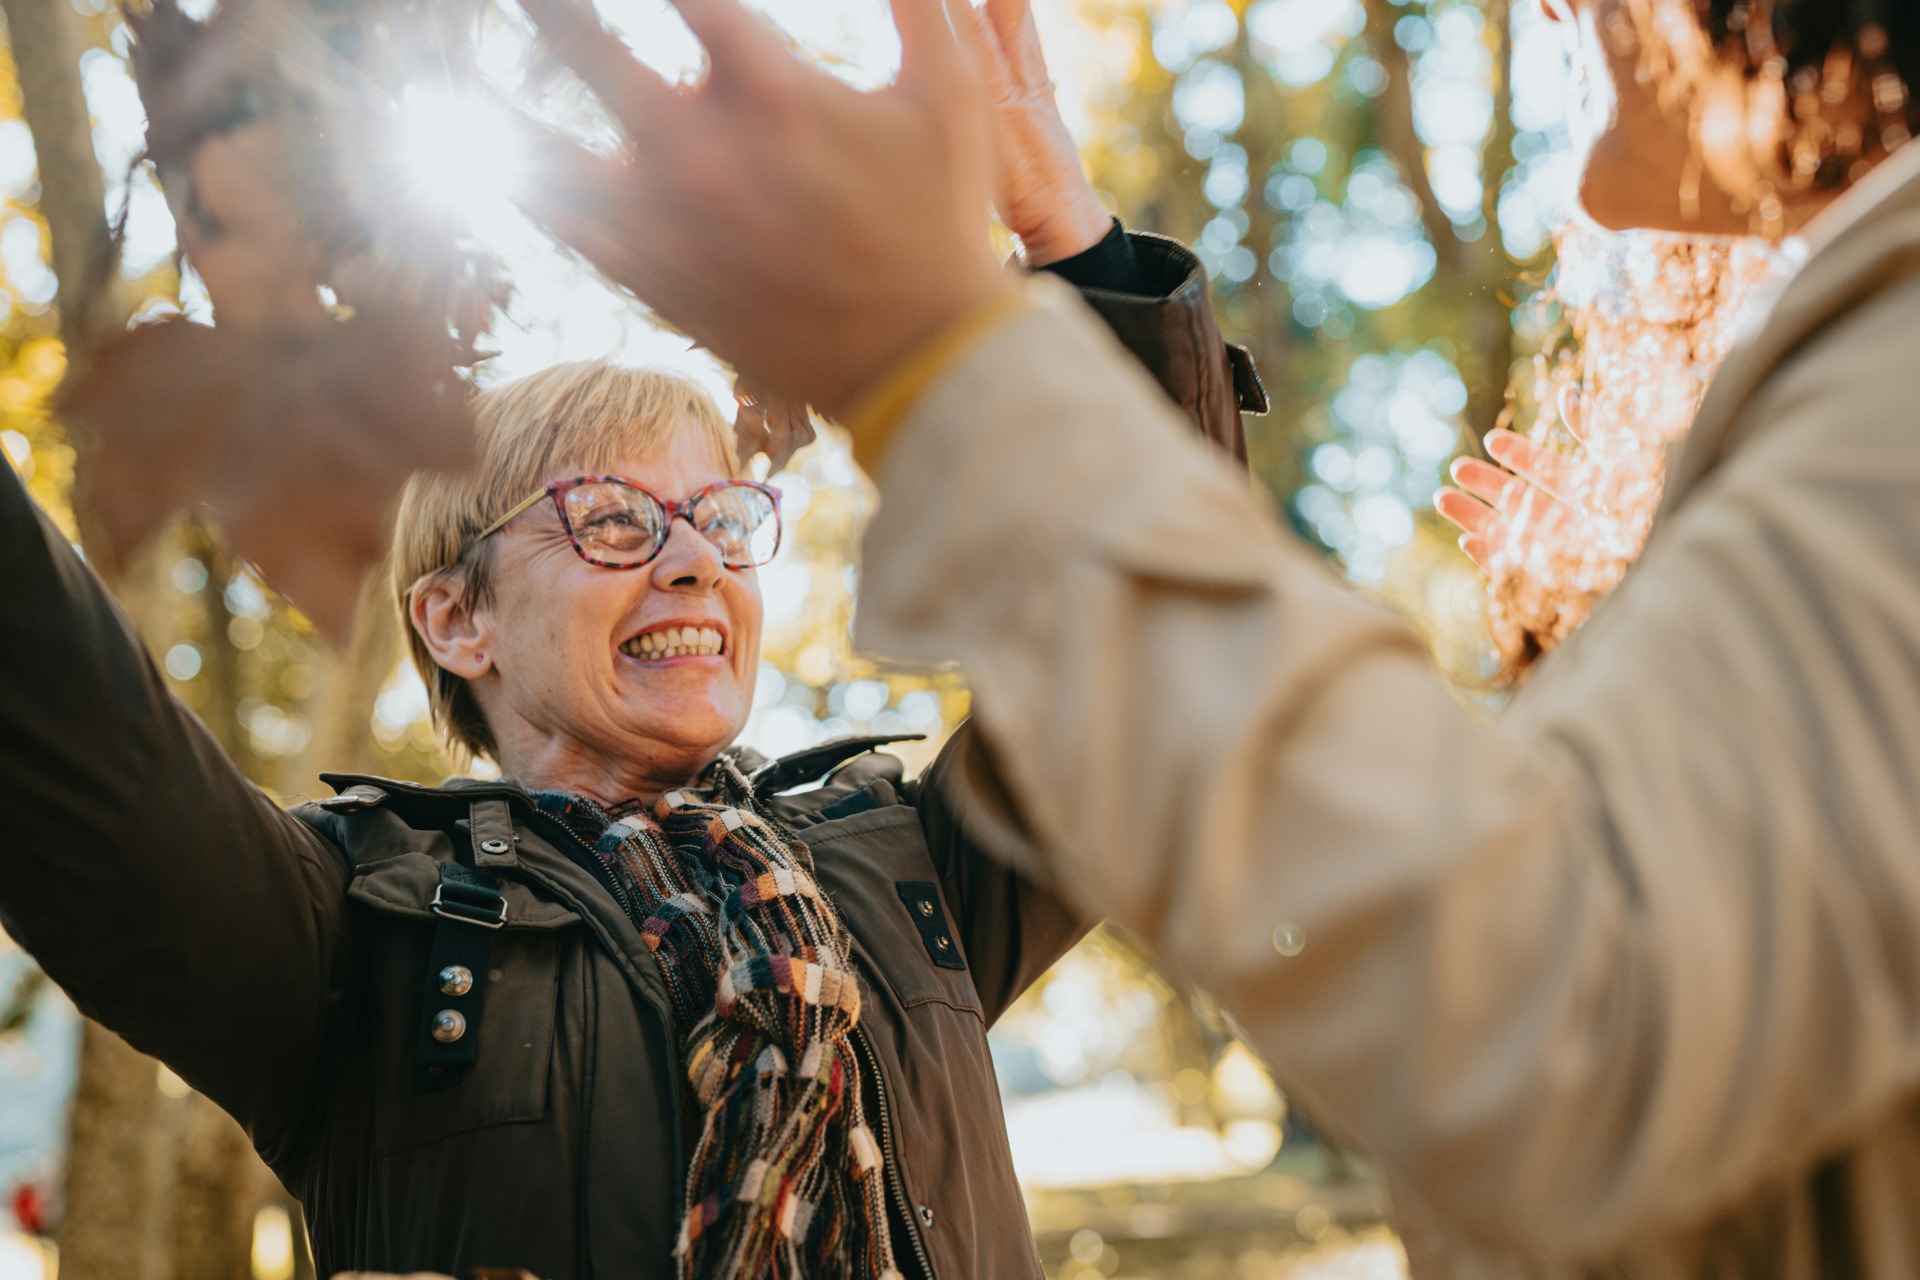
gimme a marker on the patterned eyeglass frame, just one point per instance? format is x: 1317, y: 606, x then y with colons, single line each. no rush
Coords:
x: 559, y: 490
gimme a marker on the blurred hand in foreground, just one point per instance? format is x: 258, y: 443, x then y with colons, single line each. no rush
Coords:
x: 294, y: 421
x: 1041, y: 190
x: 811, y: 234
x: 1490, y: 498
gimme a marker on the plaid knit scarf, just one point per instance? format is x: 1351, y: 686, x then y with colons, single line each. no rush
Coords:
x: 785, y: 1180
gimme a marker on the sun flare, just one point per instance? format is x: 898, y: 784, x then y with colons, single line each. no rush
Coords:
x: 462, y: 152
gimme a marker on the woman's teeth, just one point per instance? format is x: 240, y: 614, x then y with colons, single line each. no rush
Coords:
x: 674, y: 642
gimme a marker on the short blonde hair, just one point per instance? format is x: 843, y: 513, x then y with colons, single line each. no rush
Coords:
x: 579, y: 418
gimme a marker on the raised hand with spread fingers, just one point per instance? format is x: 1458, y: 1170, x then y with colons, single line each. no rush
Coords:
x: 810, y: 233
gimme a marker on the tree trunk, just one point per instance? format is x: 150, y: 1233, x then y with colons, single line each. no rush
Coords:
x: 1475, y: 271
x: 117, y: 1165
x: 1489, y: 319
x: 117, y: 1151
x: 46, y: 39
x: 219, y: 1186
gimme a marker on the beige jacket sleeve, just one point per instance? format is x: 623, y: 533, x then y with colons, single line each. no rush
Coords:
x: 1608, y: 963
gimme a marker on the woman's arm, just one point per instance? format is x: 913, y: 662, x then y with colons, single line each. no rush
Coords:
x: 172, y: 900
x: 1150, y: 290
x: 1610, y: 963
x: 1152, y: 295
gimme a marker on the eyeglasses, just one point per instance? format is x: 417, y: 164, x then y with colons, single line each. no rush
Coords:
x: 616, y: 524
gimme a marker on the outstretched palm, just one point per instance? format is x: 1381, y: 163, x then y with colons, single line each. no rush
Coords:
x: 1530, y: 487
x: 809, y: 233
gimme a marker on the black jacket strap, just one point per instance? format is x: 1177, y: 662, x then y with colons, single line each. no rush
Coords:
x: 495, y: 846
x: 930, y: 918
x: 468, y: 907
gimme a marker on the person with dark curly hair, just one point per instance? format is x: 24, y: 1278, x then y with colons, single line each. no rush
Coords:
x: 1827, y: 85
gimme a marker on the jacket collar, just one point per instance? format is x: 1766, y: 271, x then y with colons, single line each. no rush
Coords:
x: 789, y: 771
x: 1867, y: 241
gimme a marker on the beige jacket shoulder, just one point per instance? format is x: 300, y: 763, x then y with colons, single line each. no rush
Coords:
x: 1625, y: 983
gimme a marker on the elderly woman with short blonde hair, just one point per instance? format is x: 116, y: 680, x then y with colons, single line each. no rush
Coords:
x: 649, y: 1003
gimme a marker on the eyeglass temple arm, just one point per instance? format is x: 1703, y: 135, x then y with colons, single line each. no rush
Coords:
x: 531, y: 501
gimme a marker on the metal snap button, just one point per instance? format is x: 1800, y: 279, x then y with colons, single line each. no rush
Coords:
x: 448, y: 1026
x: 943, y: 942
x: 493, y: 846
x: 456, y: 980
x: 926, y: 908
x: 926, y: 1216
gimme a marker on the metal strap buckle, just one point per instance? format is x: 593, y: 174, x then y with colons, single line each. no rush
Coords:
x: 465, y: 915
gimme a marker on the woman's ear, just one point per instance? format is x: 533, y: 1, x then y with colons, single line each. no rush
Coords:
x: 444, y: 617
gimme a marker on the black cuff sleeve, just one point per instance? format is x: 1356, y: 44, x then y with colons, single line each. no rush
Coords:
x: 1111, y: 266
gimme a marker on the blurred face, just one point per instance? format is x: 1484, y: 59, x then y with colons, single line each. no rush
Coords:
x: 617, y: 683
x: 1640, y: 166
x: 1634, y: 154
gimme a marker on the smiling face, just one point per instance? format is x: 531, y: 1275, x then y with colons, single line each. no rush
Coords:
x: 613, y: 683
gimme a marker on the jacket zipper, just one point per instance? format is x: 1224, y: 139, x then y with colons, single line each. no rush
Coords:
x: 890, y: 1166
x: 889, y: 1160
x: 612, y: 882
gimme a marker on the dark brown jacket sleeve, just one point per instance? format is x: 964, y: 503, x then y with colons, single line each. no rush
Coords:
x: 1170, y: 328
x: 171, y: 899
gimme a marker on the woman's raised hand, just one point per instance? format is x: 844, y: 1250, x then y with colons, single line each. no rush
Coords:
x: 1490, y: 497
x: 811, y: 234
x: 1041, y: 191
